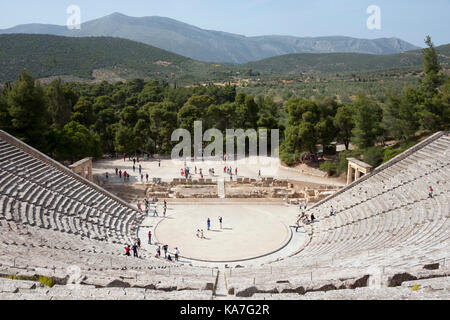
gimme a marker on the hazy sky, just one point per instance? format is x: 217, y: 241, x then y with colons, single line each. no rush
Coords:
x: 410, y: 20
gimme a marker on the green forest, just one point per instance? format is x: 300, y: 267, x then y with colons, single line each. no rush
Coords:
x: 72, y: 120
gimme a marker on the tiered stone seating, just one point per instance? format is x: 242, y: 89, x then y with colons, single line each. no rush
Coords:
x: 39, y: 192
x: 385, y: 221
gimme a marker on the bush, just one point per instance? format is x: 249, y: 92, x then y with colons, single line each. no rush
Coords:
x: 390, y: 153
x: 329, y: 167
x: 47, y: 281
x: 342, y: 164
x: 374, y: 156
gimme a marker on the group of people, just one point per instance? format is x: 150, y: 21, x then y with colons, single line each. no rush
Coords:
x: 166, y: 254
x: 165, y: 248
x: 200, y: 234
x: 303, y: 216
x: 230, y: 170
x: 126, y: 176
x: 134, y: 247
x: 186, y: 172
x: 148, y: 204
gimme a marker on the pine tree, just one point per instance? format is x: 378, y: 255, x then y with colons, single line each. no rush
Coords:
x: 27, y: 108
x: 434, y: 78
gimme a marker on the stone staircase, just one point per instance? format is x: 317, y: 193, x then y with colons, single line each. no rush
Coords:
x: 221, y: 188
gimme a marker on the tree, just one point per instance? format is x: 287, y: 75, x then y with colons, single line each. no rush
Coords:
x: 129, y: 116
x: 102, y: 103
x: 61, y: 100
x: 246, y: 114
x: 83, y: 112
x: 268, y: 114
x: 5, y: 118
x: 434, y: 78
x: 126, y: 141
x: 391, y: 115
x: 27, y: 108
x: 195, y: 109
x: 407, y: 121
x: 152, y: 92
x: 105, y: 126
x: 75, y: 142
x: 344, y: 124
x: 367, y: 122
x: 163, y: 121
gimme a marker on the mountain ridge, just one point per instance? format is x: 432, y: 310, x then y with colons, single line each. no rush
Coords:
x: 211, y: 45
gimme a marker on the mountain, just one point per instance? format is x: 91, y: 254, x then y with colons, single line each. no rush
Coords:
x: 209, y: 45
x: 98, y: 57
x: 296, y: 64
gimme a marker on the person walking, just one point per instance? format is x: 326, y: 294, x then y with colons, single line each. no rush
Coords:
x: 140, y: 169
x: 430, y: 194
x: 127, y: 250
x: 117, y: 171
x: 202, y: 236
x: 208, y: 224
x: 146, y: 177
x: 331, y: 211
x: 120, y: 174
x: 149, y: 237
x: 159, y: 163
x: 139, y: 243
x: 165, y: 248
x: 220, y: 222
x: 177, y: 252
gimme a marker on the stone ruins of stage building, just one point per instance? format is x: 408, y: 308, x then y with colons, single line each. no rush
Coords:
x: 241, y: 188
x: 83, y: 168
x: 359, y: 167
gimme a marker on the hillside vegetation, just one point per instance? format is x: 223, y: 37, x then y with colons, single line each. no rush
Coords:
x: 46, y: 55
x: 297, y: 64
